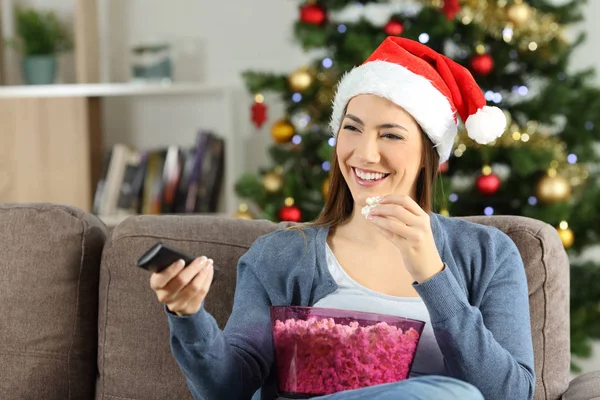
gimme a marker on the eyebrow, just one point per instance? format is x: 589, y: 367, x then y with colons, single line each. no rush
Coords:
x: 382, y: 126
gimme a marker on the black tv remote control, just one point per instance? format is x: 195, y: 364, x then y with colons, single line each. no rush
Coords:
x: 160, y: 256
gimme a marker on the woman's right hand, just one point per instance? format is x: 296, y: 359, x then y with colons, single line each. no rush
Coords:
x: 181, y: 289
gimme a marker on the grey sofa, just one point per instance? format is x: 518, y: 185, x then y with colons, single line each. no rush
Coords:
x: 79, y: 320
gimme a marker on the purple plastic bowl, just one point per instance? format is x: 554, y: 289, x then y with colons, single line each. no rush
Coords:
x: 321, y: 351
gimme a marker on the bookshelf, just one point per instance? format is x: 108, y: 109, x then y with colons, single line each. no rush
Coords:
x: 35, y: 120
x: 54, y: 136
x: 111, y: 90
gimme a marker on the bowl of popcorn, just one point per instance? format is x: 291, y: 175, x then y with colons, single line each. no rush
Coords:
x: 320, y: 351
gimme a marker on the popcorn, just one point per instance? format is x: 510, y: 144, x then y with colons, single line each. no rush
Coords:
x: 372, y: 202
x: 319, y: 357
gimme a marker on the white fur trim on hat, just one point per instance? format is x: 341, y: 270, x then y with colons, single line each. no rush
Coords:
x: 414, y: 93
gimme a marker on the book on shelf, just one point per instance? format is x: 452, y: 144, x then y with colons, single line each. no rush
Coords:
x: 169, y: 180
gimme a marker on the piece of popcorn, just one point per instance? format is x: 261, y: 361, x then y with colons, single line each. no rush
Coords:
x: 366, y: 210
x: 371, y: 203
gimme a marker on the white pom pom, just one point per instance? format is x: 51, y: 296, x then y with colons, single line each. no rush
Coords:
x: 486, y: 125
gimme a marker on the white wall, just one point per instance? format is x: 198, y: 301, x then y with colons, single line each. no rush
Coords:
x: 256, y: 34
x: 224, y: 38
x: 587, y: 55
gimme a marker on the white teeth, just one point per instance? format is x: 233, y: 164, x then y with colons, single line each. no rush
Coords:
x: 368, y: 175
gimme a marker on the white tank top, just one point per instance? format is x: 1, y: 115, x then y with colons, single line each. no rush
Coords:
x: 350, y: 295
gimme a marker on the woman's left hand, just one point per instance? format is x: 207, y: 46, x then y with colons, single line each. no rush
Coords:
x: 400, y: 219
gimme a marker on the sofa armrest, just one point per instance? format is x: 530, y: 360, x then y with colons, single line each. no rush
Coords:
x: 584, y: 387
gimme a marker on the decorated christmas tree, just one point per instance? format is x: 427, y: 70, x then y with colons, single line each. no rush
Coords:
x: 542, y: 167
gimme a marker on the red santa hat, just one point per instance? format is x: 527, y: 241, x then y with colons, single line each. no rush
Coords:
x: 429, y: 86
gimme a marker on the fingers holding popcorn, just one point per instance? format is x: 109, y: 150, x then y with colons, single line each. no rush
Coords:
x: 395, y: 212
x: 404, y: 223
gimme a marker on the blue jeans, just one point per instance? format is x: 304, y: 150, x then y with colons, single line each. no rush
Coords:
x: 421, y: 388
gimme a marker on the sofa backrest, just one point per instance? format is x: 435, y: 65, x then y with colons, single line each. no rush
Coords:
x: 547, y: 269
x: 134, y: 357
x: 49, y: 271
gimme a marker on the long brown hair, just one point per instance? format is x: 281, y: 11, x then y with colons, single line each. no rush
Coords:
x: 339, y: 202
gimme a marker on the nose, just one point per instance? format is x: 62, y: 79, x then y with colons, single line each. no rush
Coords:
x: 368, y: 150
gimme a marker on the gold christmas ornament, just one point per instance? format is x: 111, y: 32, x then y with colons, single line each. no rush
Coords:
x: 325, y: 187
x: 519, y: 13
x: 272, y: 182
x: 444, y: 212
x: 300, y: 80
x: 243, y: 212
x: 553, y: 188
x: 282, y: 131
x: 566, y: 234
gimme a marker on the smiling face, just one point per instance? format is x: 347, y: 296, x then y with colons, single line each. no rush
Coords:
x: 379, y: 149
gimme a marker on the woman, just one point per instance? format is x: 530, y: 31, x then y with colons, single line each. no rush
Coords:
x: 395, y: 121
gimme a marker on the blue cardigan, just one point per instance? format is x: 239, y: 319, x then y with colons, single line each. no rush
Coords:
x: 478, y: 305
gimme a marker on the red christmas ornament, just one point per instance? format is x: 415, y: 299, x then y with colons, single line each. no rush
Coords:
x: 482, y: 64
x: 259, y: 113
x: 312, y: 14
x: 443, y: 168
x: 290, y: 213
x: 394, y: 28
x: 451, y: 8
x: 488, y: 184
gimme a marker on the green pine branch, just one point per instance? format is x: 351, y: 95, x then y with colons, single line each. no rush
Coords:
x: 260, y: 81
x: 566, y: 14
x: 585, y: 312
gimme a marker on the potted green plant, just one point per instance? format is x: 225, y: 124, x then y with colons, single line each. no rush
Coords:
x: 40, y: 37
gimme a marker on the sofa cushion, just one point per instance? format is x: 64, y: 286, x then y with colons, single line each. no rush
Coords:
x: 134, y: 354
x: 49, y: 270
x: 547, y: 269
